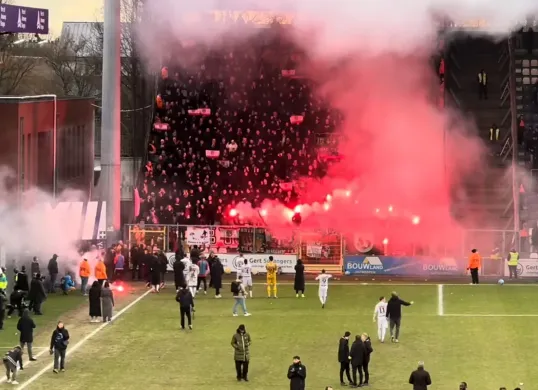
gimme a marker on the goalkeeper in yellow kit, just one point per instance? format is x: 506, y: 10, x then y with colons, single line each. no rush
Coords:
x: 272, y: 269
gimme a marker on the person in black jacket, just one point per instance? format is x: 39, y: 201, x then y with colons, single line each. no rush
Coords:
x: 3, y: 300
x: 37, y: 294
x: 179, y: 277
x: 155, y: 272
x: 217, y: 270
x: 58, y: 346
x: 26, y: 326
x: 368, y: 348
x: 186, y: 304
x: 16, y: 302
x: 21, y: 280
x: 298, y: 283
x: 163, y: 266
x: 420, y: 378
x: 343, y: 358
x: 357, y: 355
x: 35, y: 268
x: 394, y: 314
x: 297, y: 374
x: 11, y: 358
x: 53, y: 272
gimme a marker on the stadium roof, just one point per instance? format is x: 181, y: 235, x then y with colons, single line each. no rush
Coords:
x: 80, y: 32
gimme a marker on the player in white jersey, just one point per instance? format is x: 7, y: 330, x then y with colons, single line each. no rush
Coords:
x: 380, y: 315
x: 192, y: 278
x: 323, y: 286
x: 246, y: 275
x: 186, y: 266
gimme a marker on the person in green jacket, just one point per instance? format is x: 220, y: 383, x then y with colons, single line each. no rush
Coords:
x: 3, y: 279
x: 241, y: 344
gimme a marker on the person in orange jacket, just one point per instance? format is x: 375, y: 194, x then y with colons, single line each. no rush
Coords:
x: 84, y: 272
x: 475, y: 260
x: 100, y: 272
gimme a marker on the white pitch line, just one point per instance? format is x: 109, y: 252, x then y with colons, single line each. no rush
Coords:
x: 75, y: 347
x: 491, y: 315
x: 13, y: 346
x: 440, y: 301
x: 353, y: 283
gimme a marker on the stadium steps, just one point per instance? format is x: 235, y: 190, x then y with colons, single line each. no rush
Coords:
x: 487, y: 199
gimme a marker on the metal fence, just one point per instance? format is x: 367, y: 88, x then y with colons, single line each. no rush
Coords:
x: 311, y: 246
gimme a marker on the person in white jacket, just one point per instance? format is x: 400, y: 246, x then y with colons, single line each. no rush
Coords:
x: 192, y: 278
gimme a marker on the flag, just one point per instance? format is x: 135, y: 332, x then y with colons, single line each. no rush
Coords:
x: 204, y: 111
x: 288, y: 72
x: 212, y: 153
x: 296, y: 119
x: 194, y: 112
x: 161, y: 126
x: 136, y: 202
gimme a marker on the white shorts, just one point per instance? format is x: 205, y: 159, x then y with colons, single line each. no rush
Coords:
x: 382, y: 323
x: 247, y: 281
x: 323, y: 292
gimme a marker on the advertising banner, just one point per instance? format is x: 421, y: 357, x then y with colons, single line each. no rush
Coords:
x: 526, y: 268
x: 18, y: 19
x: 197, y: 236
x: 257, y: 262
x: 403, y: 266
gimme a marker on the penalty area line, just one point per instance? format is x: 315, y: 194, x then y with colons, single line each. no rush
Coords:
x: 83, y: 341
x: 491, y: 315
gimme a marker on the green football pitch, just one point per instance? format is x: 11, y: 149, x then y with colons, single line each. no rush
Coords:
x: 484, y: 335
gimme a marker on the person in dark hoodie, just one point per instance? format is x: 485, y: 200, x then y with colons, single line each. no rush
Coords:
x: 37, y: 294
x: 186, y: 304
x: 179, y: 277
x: 58, y: 346
x: 11, y: 359
x: 155, y: 274
x: 297, y: 374
x: 163, y: 266
x: 241, y: 344
x: 21, y: 280
x: 298, y: 283
x: 53, y: 272
x: 217, y: 270
x: 420, y: 378
x: 357, y: 355
x: 394, y: 314
x: 26, y: 326
x: 343, y: 358
x: 94, y: 296
x: 368, y: 349
x: 35, y: 268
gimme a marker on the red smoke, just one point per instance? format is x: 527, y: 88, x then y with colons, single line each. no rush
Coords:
x: 395, y: 153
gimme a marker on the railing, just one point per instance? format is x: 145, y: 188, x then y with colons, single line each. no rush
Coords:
x: 308, y: 245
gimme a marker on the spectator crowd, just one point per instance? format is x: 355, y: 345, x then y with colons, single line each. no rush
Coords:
x: 233, y: 124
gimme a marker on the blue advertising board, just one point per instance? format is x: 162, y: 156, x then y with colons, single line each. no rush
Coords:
x: 17, y: 19
x: 403, y: 266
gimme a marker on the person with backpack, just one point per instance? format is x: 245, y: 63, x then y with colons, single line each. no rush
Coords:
x: 239, y: 295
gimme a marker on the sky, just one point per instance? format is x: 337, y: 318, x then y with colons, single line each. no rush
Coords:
x: 66, y: 11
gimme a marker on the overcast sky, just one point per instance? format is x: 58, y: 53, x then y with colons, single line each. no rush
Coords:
x: 67, y: 11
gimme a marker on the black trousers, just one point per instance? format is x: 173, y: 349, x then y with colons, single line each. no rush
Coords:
x: 474, y: 275
x: 134, y: 270
x: 366, y: 372
x: 2, y: 313
x: 200, y: 281
x: 355, y: 369
x: 185, y: 311
x: 344, y: 367
x: 217, y: 291
x: 241, y: 369
x: 15, y: 305
x: 482, y: 91
x: 513, y: 271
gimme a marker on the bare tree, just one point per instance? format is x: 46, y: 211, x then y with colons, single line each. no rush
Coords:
x: 76, y: 69
x: 15, y: 65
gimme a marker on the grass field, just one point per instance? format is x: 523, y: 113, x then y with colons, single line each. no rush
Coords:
x: 484, y: 335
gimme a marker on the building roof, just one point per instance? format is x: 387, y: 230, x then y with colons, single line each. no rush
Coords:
x: 90, y: 32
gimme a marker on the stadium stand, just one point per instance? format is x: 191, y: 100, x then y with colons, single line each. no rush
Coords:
x: 236, y: 124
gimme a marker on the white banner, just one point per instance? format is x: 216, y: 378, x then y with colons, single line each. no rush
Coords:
x: 198, y: 236
x: 258, y: 262
x: 526, y: 268
x: 314, y: 251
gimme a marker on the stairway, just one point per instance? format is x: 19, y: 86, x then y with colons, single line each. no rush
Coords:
x: 487, y: 201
